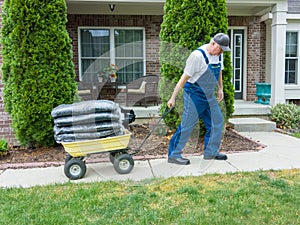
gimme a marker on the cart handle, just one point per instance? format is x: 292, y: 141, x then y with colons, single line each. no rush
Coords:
x: 165, y: 112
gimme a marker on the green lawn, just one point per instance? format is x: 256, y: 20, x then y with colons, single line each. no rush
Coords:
x: 271, y: 197
x: 296, y: 134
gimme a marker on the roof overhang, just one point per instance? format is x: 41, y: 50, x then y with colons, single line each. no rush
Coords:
x: 121, y: 7
x: 155, y: 7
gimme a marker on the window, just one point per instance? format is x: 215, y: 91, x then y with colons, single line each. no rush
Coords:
x: 100, y: 47
x: 291, y: 58
x: 237, y: 57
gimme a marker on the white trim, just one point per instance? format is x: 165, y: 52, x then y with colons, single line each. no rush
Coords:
x: 297, y: 85
x: 288, y: 16
x: 118, y: 1
x: 245, y: 59
x: 293, y: 16
x: 79, y: 53
x: 292, y: 92
x: 278, y: 40
x: 268, y: 57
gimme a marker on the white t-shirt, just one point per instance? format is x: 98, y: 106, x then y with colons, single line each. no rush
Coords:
x: 196, y: 65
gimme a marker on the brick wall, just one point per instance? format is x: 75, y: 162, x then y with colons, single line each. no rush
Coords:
x: 6, y: 131
x: 150, y: 23
x: 256, y: 49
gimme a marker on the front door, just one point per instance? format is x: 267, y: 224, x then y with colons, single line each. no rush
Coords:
x: 237, y: 43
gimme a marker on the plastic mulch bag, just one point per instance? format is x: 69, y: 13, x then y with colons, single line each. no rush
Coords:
x: 87, y: 119
x: 86, y: 136
x: 88, y: 128
x: 85, y: 107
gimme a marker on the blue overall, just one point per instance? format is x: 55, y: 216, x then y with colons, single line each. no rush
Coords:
x: 200, y: 102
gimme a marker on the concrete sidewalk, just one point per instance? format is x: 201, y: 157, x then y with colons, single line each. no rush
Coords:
x: 282, y: 152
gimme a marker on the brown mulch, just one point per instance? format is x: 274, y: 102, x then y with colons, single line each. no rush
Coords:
x: 156, y: 145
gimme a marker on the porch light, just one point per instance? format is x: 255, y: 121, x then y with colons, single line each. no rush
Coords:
x: 111, y: 7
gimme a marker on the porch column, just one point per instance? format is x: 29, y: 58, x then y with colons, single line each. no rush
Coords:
x: 279, y: 23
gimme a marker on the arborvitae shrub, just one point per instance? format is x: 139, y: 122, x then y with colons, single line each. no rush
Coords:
x: 38, y: 72
x: 188, y: 24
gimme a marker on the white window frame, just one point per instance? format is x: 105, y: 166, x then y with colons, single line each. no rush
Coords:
x: 112, y: 51
x: 297, y: 80
x: 244, y: 56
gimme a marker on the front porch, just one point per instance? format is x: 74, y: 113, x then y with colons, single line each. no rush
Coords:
x: 248, y: 116
x: 246, y: 109
x: 243, y: 109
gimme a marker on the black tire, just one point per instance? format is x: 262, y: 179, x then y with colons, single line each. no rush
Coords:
x: 112, y: 156
x: 75, y: 169
x: 123, y: 163
x: 68, y: 158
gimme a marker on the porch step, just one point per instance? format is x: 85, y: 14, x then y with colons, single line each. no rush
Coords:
x: 250, y: 109
x: 252, y: 125
x: 143, y: 114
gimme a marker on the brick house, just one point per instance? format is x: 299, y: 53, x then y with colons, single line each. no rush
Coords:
x: 265, y: 43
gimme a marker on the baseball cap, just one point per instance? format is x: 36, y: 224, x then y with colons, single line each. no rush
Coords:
x: 222, y: 40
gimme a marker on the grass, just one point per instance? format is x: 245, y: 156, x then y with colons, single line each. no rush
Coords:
x: 270, y: 197
x: 296, y: 134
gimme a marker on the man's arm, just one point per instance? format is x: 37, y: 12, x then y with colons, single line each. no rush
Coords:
x: 220, y: 88
x: 177, y: 89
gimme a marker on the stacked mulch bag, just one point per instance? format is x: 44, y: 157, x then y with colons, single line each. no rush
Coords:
x: 88, y: 120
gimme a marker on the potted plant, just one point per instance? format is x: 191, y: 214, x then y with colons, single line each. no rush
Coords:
x: 101, y: 76
x: 113, y: 77
x: 110, y: 72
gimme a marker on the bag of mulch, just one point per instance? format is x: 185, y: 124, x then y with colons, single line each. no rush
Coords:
x: 85, y: 107
x: 88, y: 128
x: 88, y: 119
x: 86, y: 136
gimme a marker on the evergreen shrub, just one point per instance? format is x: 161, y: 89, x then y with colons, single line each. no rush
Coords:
x: 38, y: 72
x: 186, y: 26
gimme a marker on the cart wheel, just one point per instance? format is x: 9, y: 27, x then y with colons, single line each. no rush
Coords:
x: 123, y: 163
x: 112, y: 156
x: 75, y: 168
x: 68, y: 157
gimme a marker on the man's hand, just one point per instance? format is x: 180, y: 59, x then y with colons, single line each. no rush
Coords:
x: 220, y: 95
x: 183, y: 79
x: 171, y: 103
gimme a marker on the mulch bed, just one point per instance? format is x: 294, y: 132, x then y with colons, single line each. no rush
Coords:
x: 155, y: 146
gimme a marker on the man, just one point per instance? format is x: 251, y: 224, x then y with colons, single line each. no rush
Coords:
x: 202, y: 73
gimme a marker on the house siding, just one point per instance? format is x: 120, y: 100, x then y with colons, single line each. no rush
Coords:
x: 294, y: 6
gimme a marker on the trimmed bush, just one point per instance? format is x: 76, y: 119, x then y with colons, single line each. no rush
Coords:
x: 38, y: 71
x: 286, y: 116
x: 186, y: 26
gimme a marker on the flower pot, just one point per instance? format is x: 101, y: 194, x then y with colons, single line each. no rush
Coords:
x: 113, y: 79
x: 263, y: 93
